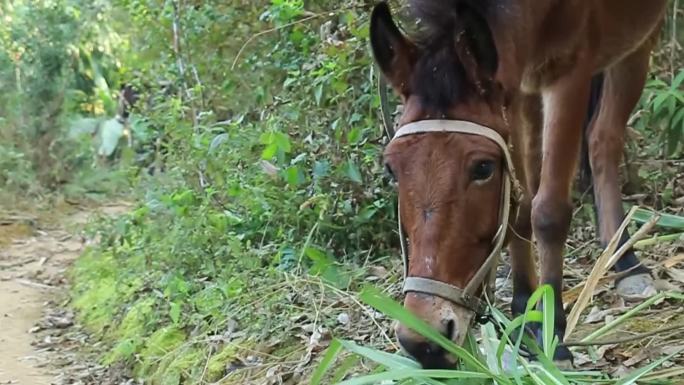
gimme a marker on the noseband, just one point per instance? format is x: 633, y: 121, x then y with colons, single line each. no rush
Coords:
x: 466, y: 296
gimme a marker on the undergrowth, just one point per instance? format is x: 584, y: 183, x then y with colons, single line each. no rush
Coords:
x: 213, y: 275
x: 58, y: 60
x: 184, y: 294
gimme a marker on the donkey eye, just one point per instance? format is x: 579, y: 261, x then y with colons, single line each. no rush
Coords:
x: 482, y: 170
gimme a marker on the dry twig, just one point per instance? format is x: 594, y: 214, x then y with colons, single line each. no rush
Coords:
x: 609, y: 256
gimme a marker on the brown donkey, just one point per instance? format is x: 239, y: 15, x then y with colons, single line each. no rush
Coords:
x: 479, y: 80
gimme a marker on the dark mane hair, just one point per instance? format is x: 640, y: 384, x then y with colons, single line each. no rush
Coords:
x: 458, y: 58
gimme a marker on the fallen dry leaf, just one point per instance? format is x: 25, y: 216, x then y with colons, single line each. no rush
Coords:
x: 676, y: 274
x: 378, y: 271
x: 637, y: 358
x: 665, y: 285
x: 674, y: 260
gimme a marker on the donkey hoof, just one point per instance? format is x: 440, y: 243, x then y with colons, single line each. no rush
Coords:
x: 636, y: 287
x: 563, y: 358
x: 565, y: 365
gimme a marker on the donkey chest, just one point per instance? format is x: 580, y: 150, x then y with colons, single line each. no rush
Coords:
x: 556, y: 44
x: 540, y: 74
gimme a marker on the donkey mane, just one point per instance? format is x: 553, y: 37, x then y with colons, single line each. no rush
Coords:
x: 440, y: 14
x: 457, y: 57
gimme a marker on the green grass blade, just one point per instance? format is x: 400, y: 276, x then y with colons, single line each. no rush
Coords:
x: 636, y: 375
x: 344, y: 368
x: 517, y: 324
x: 472, y: 346
x: 621, y: 319
x: 328, y: 359
x: 552, y: 370
x: 386, y: 305
x: 548, y: 377
x: 548, y: 324
x: 403, y: 374
x: 392, y: 361
x: 489, y: 346
x: 504, y: 322
x: 546, y: 295
x: 642, y: 244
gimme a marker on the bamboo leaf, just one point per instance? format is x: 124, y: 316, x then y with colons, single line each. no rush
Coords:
x: 666, y: 220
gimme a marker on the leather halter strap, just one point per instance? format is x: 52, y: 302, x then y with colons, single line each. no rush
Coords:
x: 466, y: 296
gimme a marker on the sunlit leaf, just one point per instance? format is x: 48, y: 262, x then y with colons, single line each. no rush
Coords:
x: 352, y: 171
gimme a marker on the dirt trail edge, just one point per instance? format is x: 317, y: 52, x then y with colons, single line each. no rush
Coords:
x: 33, y: 260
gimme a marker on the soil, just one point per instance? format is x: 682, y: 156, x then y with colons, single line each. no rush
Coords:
x: 34, y: 258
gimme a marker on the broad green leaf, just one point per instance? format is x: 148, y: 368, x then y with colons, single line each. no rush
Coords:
x: 274, y: 142
x: 666, y: 220
x: 110, y: 133
x: 677, y: 82
x: 269, y: 152
x: 679, y: 116
x: 317, y: 256
x: 658, y: 102
x: 217, y: 142
x: 354, y: 135
x: 83, y: 126
x: 294, y: 176
x: 175, y: 312
x: 321, y: 169
x: 352, y: 171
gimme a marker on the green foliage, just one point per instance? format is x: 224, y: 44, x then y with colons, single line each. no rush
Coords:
x: 663, y: 110
x: 16, y: 169
x: 476, y: 368
x: 57, y: 59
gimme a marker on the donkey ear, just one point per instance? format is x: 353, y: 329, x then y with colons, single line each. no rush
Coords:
x: 479, y: 39
x: 393, y: 52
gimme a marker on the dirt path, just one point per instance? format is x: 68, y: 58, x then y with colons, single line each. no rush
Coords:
x: 33, y: 260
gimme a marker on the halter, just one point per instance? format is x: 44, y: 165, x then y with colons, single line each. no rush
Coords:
x: 465, y: 297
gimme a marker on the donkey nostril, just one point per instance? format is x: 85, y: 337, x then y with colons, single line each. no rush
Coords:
x: 450, y: 329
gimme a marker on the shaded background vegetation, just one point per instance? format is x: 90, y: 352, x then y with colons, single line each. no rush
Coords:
x: 254, y: 156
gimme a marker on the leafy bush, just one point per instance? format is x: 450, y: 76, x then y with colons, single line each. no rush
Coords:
x: 56, y: 59
x: 663, y: 114
x: 266, y: 169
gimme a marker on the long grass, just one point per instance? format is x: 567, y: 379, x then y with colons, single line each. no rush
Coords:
x: 495, y: 360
